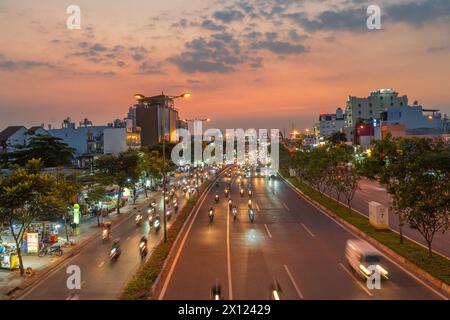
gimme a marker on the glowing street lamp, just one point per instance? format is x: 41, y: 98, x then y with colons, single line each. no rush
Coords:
x: 141, y: 98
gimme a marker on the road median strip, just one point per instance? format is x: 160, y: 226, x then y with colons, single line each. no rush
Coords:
x: 143, y: 284
x: 413, y: 257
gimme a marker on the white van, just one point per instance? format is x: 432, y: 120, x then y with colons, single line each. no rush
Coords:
x: 361, y: 256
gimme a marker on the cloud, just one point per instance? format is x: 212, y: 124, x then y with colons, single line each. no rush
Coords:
x: 419, y: 12
x: 353, y: 17
x: 211, y: 25
x: 347, y: 19
x: 138, y: 53
x: 279, y: 47
x: 150, y: 68
x: 218, y: 53
x: 438, y: 49
x: 14, y: 65
x: 228, y: 15
x: 182, y: 23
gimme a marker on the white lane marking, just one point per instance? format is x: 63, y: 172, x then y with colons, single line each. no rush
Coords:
x: 423, y: 283
x: 57, y: 268
x: 267, y: 229
x: 286, y: 207
x: 293, y: 282
x: 307, y: 230
x: 101, y: 264
x: 177, y: 256
x: 230, y: 284
x: 356, y: 280
x: 257, y: 207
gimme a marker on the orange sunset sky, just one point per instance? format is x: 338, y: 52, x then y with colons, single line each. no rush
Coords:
x: 247, y: 63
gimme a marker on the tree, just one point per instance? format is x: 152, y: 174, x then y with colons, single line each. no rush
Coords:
x: 96, y: 194
x: 337, y: 138
x: 51, y: 150
x: 26, y: 194
x: 350, y: 179
x: 122, y: 170
x: 416, y: 172
x: 151, y: 162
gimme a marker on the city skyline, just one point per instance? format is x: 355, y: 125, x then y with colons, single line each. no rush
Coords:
x: 286, y: 61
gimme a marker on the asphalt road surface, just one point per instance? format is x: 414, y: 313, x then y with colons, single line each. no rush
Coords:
x: 100, y: 278
x: 372, y: 191
x: 290, y: 241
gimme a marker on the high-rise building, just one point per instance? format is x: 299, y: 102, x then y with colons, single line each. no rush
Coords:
x: 148, y: 116
x: 370, y: 108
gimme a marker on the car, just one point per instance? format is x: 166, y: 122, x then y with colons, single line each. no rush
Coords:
x: 363, y: 257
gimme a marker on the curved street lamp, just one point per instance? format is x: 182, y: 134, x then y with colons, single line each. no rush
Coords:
x: 141, y: 98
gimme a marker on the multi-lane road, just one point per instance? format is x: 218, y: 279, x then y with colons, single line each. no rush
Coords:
x: 372, y: 191
x: 290, y: 241
x: 100, y: 278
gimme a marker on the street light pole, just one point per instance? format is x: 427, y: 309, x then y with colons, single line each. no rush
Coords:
x: 163, y: 136
x: 142, y: 98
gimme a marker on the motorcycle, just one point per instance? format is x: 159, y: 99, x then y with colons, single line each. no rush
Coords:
x: 143, y: 249
x: 138, y: 220
x: 230, y: 204
x: 216, y: 292
x: 153, y: 204
x: 249, y: 193
x: 151, y: 218
x: 157, y: 225
x: 114, y: 254
x: 249, y: 203
x: 275, y: 291
x: 226, y: 193
x: 106, y: 235
x: 251, y: 215
x: 242, y: 192
x: 168, y: 214
x: 234, y: 213
x: 54, y: 250
x: 216, y: 198
x: 211, y: 215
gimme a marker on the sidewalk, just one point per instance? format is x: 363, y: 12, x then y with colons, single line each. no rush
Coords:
x: 88, y: 228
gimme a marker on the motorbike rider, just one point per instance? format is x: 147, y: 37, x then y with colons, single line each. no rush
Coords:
x: 216, y: 291
x: 143, y: 240
x: 275, y: 290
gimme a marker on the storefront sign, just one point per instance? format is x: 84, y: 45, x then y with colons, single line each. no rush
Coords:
x: 76, y: 214
x: 32, y: 242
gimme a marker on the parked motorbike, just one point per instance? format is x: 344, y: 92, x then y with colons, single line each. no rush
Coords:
x: 53, y: 250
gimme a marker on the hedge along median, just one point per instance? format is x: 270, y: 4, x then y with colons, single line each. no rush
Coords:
x: 437, y: 266
x: 139, y: 288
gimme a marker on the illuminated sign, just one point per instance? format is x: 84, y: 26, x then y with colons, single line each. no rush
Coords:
x: 32, y: 242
